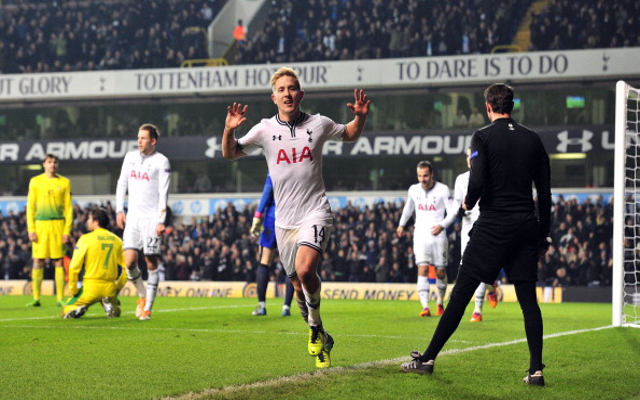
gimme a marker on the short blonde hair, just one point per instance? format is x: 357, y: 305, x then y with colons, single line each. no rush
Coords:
x: 154, y: 132
x: 284, y: 71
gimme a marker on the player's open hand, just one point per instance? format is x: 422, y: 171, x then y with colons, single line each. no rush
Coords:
x: 235, y: 116
x: 361, y: 104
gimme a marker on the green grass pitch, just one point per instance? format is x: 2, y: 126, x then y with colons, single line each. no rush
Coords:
x: 214, y: 348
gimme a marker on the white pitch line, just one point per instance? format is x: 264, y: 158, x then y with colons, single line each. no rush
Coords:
x: 204, y: 330
x: 145, y: 327
x: 335, y: 370
x: 131, y: 312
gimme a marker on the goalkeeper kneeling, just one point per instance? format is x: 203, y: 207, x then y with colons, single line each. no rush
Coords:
x: 100, y: 254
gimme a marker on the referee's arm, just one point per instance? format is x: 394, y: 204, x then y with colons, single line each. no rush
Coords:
x: 542, y: 181
x: 477, y: 175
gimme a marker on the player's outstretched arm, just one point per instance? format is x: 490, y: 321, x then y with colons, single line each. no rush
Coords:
x: 235, y: 117
x: 360, y: 108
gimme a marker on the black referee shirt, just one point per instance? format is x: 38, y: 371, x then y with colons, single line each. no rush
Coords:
x: 506, y: 159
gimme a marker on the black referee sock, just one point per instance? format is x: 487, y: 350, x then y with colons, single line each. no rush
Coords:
x: 461, y: 295
x: 533, y: 326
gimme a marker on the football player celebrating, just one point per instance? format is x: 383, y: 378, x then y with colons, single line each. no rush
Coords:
x: 292, y: 141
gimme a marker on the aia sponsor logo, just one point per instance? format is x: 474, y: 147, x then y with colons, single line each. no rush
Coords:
x: 296, y: 156
x: 427, y: 207
x: 141, y: 176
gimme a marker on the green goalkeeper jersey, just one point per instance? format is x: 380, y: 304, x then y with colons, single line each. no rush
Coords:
x: 49, y: 199
x: 100, y: 253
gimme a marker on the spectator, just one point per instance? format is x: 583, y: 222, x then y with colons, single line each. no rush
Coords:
x: 202, y: 184
x: 460, y: 120
x: 382, y: 269
x: 239, y: 33
x: 396, y: 275
x: 476, y: 119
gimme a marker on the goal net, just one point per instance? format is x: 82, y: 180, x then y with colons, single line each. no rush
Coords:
x: 626, y: 215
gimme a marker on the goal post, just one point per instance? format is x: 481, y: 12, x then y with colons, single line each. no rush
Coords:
x: 626, y: 212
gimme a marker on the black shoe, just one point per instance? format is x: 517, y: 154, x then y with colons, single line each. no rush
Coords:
x: 534, y: 380
x: 76, y: 313
x: 418, y: 366
x: 328, y: 342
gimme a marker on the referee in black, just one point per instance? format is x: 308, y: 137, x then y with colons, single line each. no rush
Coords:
x: 506, y: 159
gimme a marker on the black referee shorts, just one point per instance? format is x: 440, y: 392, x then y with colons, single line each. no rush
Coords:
x: 503, y: 240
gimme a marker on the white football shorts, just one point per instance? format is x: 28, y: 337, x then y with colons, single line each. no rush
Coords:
x: 140, y: 234
x: 314, y: 232
x: 431, y: 250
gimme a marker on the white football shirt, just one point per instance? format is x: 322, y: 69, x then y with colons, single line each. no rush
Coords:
x: 146, y: 179
x: 459, y: 193
x: 470, y: 217
x: 430, y: 207
x: 294, y: 155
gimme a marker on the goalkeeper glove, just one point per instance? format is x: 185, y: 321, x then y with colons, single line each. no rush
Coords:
x: 256, y: 227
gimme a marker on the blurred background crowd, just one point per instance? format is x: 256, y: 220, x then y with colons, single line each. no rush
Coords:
x: 50, y: 35
x: 363, y: 248
x: 54, y: 35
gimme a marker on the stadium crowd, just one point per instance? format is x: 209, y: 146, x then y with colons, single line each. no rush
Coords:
x: 49, y: 36
x: 364, y: 247
x: 346, y: 30
x: 566, y: 25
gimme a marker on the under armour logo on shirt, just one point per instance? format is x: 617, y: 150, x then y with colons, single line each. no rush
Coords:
x: 279, y: 137
x: 310, y: 133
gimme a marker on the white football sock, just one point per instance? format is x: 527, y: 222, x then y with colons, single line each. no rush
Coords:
x: 479, y: 297
x: 135, y: 276
x: 152, y: 288
x: 423, y: 291
x: 442, y: 289
x: 313, y: 304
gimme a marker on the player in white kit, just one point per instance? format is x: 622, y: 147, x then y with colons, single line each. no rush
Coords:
x: 145, y: 177
x: 468, y: 219
x: 431, y: 201
x: 292, y: 142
